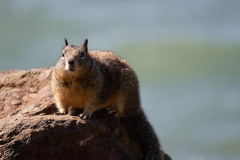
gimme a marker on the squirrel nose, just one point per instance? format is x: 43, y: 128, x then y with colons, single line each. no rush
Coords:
x: 71, y: 62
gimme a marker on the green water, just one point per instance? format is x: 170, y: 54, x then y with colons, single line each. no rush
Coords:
x: 186, y: 55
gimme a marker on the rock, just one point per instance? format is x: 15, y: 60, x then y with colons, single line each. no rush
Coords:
x: 26, y: 92
x: 29, y: 130
x: 64, y: 137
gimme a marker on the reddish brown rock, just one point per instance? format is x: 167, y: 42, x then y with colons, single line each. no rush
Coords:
x: 29, y: 130
x: 64, y: 137
x: 26, y: 92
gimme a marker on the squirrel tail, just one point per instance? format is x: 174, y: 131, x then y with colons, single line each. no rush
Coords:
x: 144, y: 131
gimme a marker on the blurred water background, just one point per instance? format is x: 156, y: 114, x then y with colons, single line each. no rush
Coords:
x: 186, y: 54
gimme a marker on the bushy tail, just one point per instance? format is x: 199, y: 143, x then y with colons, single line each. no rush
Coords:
x: 140, y: 126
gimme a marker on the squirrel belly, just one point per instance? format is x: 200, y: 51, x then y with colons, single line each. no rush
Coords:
x: 93, y: 80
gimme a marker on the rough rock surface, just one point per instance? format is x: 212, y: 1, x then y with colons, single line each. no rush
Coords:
x: 29, y: 130
x: 26, y: 93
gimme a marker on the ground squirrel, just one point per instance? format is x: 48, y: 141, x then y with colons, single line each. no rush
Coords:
x: 98, y: 79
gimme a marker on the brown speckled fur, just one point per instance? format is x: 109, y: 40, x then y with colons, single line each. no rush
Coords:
x: 98, y: 80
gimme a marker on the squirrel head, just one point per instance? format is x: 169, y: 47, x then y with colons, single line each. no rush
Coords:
x: 76, y: 58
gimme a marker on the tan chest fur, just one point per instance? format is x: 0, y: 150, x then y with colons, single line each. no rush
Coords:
x: 73, y: 96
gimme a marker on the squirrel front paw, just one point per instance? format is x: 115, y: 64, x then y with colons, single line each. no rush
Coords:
x: 61, y: 111
x: 85, y: 117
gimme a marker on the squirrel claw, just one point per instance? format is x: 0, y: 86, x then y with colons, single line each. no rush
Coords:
x: 112, y: 111
x: 84, y: 117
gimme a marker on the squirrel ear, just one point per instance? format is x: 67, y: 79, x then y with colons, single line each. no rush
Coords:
x: 85, y: 43
x: 66, y: 43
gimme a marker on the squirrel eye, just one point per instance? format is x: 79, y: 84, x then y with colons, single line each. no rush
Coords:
x: 62, y: 55
x: 82, y: 55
